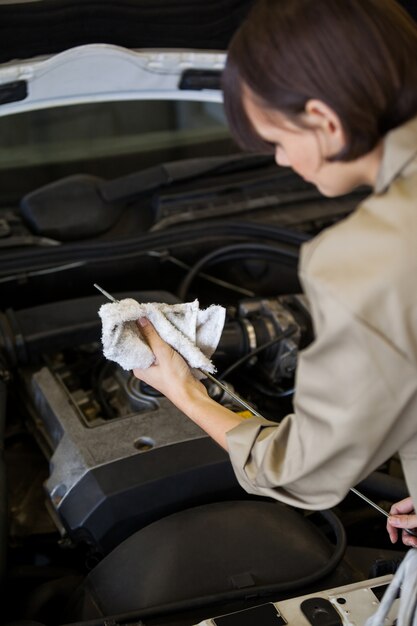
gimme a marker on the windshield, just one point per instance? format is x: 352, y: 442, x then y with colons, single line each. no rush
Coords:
x: 106, y: 139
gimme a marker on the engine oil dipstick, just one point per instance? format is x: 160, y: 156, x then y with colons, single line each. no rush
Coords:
x: 380, y: 509
x: 105, y: 293
x: 239, y: 400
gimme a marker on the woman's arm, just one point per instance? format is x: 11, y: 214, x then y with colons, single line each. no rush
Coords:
x: 349, y: 413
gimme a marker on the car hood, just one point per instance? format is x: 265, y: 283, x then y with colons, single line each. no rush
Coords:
x: 59, y: 52
x: 102, y: 72
x: 56, y: 52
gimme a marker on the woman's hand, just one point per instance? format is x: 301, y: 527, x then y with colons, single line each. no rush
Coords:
x: 402, y: 515
x: 170, y: 374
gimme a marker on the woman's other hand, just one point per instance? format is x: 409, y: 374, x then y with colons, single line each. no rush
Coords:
x: 402, y: 516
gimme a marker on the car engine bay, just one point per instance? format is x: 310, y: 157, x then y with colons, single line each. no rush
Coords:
x: 97, y: 463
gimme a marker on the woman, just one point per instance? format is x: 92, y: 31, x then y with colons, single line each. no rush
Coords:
x: 330, y: 87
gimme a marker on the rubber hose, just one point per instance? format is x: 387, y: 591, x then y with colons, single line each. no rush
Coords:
x: 242, y: 250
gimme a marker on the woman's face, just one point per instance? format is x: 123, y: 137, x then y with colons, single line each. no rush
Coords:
x: 306, y: 150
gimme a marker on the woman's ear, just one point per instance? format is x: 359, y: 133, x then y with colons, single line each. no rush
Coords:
x: 321, y: 117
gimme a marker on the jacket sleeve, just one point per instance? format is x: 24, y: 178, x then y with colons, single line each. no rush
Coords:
x: 352, y: 388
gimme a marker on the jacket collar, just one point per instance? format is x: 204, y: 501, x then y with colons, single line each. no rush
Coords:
x: 400, y: 147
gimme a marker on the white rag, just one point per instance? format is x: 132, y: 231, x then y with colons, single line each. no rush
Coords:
x: 192, y: 332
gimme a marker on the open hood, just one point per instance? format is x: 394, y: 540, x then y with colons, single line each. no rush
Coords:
x: 55, y: 52
x: 101, y: 72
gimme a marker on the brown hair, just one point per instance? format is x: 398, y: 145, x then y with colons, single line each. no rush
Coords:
x: 357, y: 56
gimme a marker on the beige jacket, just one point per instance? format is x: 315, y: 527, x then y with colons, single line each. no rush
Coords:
x: 356, y: 387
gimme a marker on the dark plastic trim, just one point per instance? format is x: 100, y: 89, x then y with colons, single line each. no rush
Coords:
x: 15, y: 91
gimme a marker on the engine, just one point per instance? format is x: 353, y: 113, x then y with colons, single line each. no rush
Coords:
x: 120, y: 454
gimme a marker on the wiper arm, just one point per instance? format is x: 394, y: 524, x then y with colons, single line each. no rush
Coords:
x: 154, y: 178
